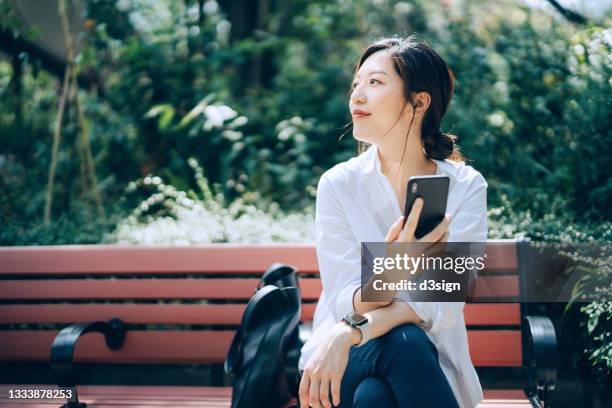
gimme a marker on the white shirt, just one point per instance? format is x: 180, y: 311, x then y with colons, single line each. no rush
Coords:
x: 356, y: 203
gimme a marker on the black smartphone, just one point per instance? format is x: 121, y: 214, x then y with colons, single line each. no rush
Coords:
x: 434, y: 191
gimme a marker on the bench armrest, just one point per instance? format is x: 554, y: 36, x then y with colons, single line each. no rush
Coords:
x: 540, y: 358
x: 62, y: 349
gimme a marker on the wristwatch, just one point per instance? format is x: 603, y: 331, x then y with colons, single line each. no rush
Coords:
x: 360, y: 322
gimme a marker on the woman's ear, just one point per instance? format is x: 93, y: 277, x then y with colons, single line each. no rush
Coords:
x: 422, y: 101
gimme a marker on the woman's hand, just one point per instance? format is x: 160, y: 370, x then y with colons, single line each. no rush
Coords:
x: 325, y: 369
x: 397, y: 234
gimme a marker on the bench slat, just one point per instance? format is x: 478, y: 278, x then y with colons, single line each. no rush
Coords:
x: 475, y: 314
x: 140, y: 346
x: 209, y: 259
x: 496, y: 286
x: 230, y: 314
x: 95, y: 289
x: 487, y: 314
x: 501, y: 256
x: 500, y: 348
x: 105, y: 259
x: 191, y: 288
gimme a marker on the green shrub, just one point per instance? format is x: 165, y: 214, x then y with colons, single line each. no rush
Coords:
x: 559, y: 226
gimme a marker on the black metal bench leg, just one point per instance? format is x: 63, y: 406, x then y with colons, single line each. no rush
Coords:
x: 62, y: 351
x: 540, y: 359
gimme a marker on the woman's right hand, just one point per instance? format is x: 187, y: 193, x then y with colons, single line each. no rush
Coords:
x: 406, y: 234
x: 397, y: 235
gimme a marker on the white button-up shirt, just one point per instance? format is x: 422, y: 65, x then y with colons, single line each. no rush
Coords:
x: 356, y: 203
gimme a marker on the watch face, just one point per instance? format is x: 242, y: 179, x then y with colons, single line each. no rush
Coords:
x: 356, y: 319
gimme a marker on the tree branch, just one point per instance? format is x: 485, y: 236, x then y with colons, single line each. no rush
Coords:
x: 568, y: 14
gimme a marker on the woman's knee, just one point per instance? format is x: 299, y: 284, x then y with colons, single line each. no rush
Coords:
x: 405, y: 335
x: 373, y: 392
x: 406, y: 341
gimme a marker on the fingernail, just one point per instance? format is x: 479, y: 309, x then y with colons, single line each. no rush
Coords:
x: 447, y: 216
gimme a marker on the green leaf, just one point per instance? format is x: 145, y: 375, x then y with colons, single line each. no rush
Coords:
x: 157, y: 110
x: 166, y: 118
x: 164, y: 111
x: 196, y: 111
x: 592, y: 323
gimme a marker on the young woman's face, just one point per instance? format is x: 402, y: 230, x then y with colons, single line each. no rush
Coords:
x: 377, y: 91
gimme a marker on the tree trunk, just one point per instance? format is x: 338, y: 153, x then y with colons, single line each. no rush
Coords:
x: 88, y: 171
x: 85, y: 146
x: 70, y: 85
x: 57, y: 133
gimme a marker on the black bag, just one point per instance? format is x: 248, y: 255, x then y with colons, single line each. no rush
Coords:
x: 267, y: 343
x: 284, y: 276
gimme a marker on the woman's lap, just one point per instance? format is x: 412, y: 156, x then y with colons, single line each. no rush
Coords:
x: 406, y: 362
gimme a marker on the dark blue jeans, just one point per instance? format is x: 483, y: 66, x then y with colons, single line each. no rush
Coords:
x: 399, y: 369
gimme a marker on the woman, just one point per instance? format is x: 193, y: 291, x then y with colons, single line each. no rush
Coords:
x: 413, y: 354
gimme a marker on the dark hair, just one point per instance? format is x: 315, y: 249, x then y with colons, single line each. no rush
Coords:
x: 422, y: 70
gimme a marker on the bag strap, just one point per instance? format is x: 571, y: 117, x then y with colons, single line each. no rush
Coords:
x: 280, y: 275
x: 233, y: 361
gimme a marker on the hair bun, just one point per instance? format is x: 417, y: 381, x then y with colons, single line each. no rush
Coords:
x: 439, y: 145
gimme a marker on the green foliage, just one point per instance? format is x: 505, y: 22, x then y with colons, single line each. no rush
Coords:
x: 598, y: 325
x: 531, y: 106
x: 560, y: 227
x: 532, y: 109
x: 174, y: 217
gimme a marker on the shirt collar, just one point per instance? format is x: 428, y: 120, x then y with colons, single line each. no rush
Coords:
x: 371, y: 162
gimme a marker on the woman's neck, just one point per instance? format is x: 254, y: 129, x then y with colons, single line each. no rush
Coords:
x: 413, y: 163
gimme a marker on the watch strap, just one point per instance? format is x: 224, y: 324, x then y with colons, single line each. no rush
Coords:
x: 366, y: 334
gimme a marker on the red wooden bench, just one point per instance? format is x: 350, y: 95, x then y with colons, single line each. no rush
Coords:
x: 209, y: 286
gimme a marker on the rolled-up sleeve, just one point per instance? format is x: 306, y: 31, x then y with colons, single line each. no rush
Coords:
x: 469, y: 224
x: 338, y: 251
